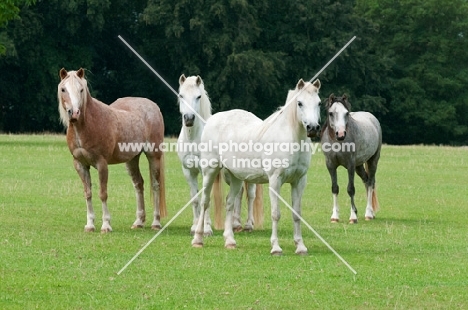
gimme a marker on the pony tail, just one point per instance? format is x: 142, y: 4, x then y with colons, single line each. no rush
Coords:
x: 162, y: 188
x: 375, y: 201
x: 218, y: 200
x: 258, y: 206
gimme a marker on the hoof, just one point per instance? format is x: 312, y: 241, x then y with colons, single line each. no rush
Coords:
x: 89, y: 229
x: 353, y: 221
x: 370, y: 218
x: 238, y: 229
x: 207, y: 234
x: 334, y: 220
x: 137, y: 226
x: 302, y: 253
x: 248, y: 229
x: 156, y: 227
x: 197, y: 245
x: 276, y: 253
x: 230, y: 246
x: 106, y: 230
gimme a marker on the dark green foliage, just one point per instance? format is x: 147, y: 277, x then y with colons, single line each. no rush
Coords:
x: 408, y: 64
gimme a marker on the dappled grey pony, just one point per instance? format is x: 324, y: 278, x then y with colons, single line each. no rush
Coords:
x: 352, y: 140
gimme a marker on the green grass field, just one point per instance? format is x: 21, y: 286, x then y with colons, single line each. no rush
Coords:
x: 414, y: 255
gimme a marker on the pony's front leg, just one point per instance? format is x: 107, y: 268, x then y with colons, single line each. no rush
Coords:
x: 85, y: 176
x: 234, y: 191
x: 335, y: 217
x: 103, y: 177
x: 208, y: 179
x: 138, y: 184
x: 297, y: 189
x: 275, y: 185
x: 191, y: 176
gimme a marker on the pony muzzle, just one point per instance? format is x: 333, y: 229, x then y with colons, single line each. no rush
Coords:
x: 313, y: 131
x: 340, y: 134
x: 73, y: 114
x: 189, y: 119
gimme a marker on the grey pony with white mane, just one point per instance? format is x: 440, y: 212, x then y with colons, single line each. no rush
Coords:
x: 352, y: 140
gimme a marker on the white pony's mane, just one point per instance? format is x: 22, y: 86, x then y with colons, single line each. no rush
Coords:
x: 205, y: 104
x: 289, y: 110
x: 74, y: 82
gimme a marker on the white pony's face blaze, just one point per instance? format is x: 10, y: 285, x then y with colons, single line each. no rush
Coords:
x: 71, y: 95
x: 308, y: 107
x: 190, y: 94
x: 338, y: 116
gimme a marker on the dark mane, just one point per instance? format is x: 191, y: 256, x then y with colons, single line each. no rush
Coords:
x: 343, y: 100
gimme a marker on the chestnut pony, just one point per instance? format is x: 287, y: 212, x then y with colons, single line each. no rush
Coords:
x: 99, y: 135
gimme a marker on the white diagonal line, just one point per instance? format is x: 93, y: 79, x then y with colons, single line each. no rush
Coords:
x: 161, y: 78
x: 159, y: 232
x: 316, y: 75
x: 313, y: 230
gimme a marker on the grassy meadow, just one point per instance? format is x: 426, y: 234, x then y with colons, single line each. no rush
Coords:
x: 414, y: 255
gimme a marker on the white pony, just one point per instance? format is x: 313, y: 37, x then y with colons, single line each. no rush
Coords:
x: 242, y: 143
x: 195, y: 108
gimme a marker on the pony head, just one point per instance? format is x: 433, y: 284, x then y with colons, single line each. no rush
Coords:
x: 72, y: 94
x: 193, y: 100
x: 338, y: 114
x: 307, y: 102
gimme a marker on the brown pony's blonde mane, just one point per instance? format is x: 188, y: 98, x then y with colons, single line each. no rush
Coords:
x: 76, y: 81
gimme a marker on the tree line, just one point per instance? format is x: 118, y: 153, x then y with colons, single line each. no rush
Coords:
x: 408, y: 64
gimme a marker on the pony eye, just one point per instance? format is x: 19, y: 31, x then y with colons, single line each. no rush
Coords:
x: 199, y: 97
x: 330, y: 114
x: 63, y: 90
x: 299, y: 104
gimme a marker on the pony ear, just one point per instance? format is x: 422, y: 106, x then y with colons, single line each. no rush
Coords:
x: 199, y: 80
x: 344, y: 97
x: 63, y: 73
x: 317, y: 84
x: 331, y: 99
x: 300, y: 84
x: 80, y: 73
x: 182, y: 79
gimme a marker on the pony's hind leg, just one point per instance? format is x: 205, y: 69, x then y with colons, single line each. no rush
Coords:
x: 251, y: 195
x: 234, y: 191
x: 155, y: 166
x: 236, y: 217
x: 369, y: 190
x: 351, y: 192
x: 85, y: 176
x: 372, y: 202
x: 133, y: 170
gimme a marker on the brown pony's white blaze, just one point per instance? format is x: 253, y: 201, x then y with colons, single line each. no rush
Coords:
x: 71, y: 96
x: 352, y: 140
x: 96, y: 134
